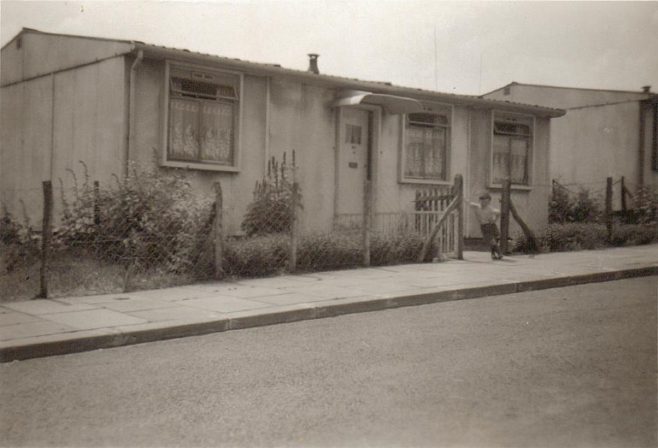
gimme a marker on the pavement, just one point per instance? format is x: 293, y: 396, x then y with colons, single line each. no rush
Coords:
x: 38, y: 328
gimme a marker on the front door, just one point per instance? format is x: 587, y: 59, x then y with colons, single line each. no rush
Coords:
x: 352, y: 160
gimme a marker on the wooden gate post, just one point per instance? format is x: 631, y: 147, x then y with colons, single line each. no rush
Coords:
x: 608, y: 207
x: 504, y: 215
x: 218, y: 231
x: 459, y: 191
x: 367, y: 218
x: 46, y: 234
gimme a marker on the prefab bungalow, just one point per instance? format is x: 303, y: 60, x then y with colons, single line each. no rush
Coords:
x: 110, y: 102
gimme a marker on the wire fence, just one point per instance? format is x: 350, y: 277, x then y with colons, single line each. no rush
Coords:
x: 611, y: 199
x: 151, y: 230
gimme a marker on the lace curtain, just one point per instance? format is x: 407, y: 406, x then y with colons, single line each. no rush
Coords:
x: 201, y: 131
x: 515, y: 147
x: 426, y: 152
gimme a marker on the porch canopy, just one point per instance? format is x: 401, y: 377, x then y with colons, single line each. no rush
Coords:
x: 392, y: 104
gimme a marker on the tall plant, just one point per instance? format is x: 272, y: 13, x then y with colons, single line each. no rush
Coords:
x: 271, y: 208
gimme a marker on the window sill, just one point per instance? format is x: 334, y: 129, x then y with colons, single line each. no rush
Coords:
x: 406, y: 180
x: 512, y: 187
x: 200, y: 166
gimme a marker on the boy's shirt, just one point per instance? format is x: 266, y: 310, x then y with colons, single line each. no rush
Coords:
x: 485, y: 215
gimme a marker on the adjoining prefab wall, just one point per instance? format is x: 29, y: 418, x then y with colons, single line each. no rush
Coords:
x: 33, y: 53
x: 589, y: 145
x: 51, y: 123
x: 650, y: 143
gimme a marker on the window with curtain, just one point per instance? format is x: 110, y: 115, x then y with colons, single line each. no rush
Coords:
x: 203, y: 117
x: 426, y: 146
x: 512, y: 146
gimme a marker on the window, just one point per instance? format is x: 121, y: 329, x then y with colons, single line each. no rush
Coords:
x: 426, y: 146
x: 512, y: 150
x: 353, y: 134
x: 203, y: 117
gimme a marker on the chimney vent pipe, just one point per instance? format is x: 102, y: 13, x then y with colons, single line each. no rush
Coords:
x: 313, y: 63
x: 646, y: 89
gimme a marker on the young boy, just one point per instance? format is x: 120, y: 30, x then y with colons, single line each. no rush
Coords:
x: 487, y: 217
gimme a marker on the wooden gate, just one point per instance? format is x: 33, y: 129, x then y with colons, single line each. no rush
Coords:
x: 430, y: 206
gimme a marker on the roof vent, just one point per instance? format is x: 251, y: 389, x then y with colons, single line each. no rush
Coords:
x: 313, y: 63
x: 646, y: 89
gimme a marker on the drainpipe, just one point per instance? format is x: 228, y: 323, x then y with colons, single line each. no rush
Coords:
x: 131, y: 107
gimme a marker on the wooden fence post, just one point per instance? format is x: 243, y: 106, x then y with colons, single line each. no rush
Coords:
x: 367, y: 214
x: 623, y: 196
x: 459, y: 187
x: 294, y: 198
x: 504, y: 215
x: 46, y: 234
x: 97, y: 206
x: 608, y: 207
x: 529, y: 234
x: 219, y: 231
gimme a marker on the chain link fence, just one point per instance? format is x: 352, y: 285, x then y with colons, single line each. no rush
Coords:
x: 151, y: 230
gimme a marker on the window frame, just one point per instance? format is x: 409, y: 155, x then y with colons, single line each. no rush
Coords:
x: 513, y: 118
x: 237, y: 144
x: 448, y: 111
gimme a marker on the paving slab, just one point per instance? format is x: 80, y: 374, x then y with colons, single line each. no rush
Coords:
x: 127, y: 304
x: 175, y: 313
x: 223, y: 304
x: 290, y: 298
x: 326, y: 290
x: 12, y: 318
x: 32, y: 329
x: 43, y: 306
x: 87, y: 320
x: 50, y: 327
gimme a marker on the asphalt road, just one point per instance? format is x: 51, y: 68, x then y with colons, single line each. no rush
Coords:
x: 563, y: 367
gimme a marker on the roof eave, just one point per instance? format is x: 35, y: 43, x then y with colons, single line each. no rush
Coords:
x: 254, y: 68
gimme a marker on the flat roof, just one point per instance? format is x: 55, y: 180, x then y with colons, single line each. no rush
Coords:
x: 548, y: 86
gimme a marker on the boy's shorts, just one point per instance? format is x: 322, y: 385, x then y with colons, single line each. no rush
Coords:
x: 490, y: 233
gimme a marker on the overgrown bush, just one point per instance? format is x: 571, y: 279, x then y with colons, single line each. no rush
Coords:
x: 323, y: 252
x: 269, y: 254
x: 565, y: 208
x: 395, y: 249
x: 147, y: 219
x: 646, y: 205
x: 256, y: 256
x: 586, y: 208
x: 19, y: 245
x: 271, y: 208
x: 634, y: 234
x: 560, y: 206
x: 583, y: 236
x: 574, y: 236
